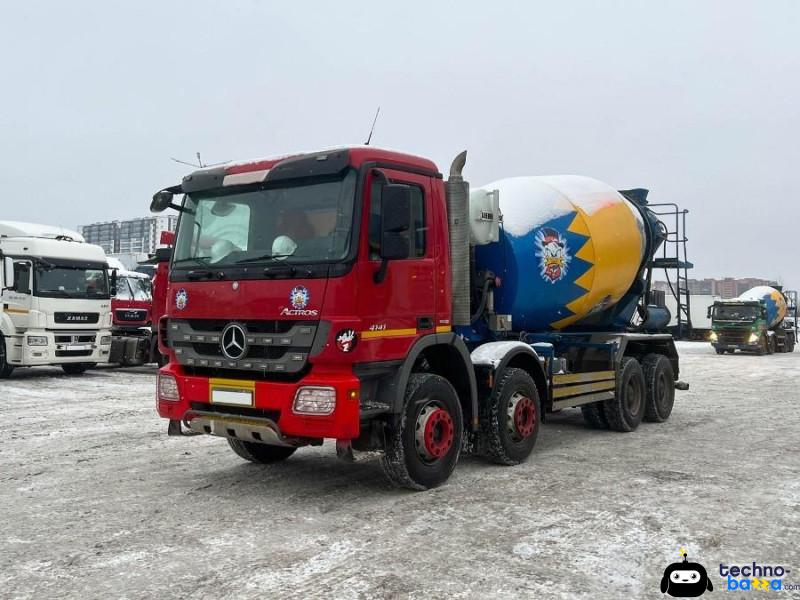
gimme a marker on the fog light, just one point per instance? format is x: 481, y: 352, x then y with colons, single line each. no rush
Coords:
x: 753, y: 338
x: 314, y: 401
x: 37, y: 340
x: 105, y: 340
x: 713, y: 337
x: 168, y: 388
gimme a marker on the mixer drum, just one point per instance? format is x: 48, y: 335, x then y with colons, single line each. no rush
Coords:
x: 570, y: 246
x: 773, y: 300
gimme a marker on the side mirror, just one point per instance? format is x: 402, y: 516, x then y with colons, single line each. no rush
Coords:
x: 161, y: 201
x: 395, y: 222
x: 708, y: 313
x: 167, y: 238
x: 112, y: 284
x: 8, y: 273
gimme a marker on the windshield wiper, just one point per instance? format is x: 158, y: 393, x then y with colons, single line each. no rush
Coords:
x: 201, y: 261
x: 262, y: 257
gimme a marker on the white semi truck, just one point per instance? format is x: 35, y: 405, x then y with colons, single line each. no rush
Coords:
x: 55, y: 307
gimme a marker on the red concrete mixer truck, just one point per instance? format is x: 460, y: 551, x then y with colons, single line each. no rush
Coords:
x: 355, y: 295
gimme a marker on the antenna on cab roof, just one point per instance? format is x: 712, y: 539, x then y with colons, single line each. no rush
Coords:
x: 371, y: 129
x: 200, y: 164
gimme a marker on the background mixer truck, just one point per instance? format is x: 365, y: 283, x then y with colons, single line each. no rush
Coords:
x: 761, y: 320
x: 355, y: 295
x: 55, y: 304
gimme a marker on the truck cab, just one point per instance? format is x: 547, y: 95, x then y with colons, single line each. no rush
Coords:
x: 55, y: 300
x: 739, y: 325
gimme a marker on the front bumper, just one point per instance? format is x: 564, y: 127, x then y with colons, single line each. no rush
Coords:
x: 62, y: 347
x: 272, y: 405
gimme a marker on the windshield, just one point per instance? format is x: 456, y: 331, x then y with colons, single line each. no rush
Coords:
x: 724, y: 312
x: 306, y: 223
x: 134, y: 288
x: 70, y: 282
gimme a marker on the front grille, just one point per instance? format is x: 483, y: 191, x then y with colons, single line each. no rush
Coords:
x: 274, y: 350
x: 74, y: 338
x: 217, y: 325
x: 75, y: 317
x: 130, y: 315
x: 733, y: 336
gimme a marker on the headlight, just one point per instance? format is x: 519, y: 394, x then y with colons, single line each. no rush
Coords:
x: 753, y: 338
x: 105, y: 340
x: 37, y: 340
x: 713, y: 337
x: 167, y: 388
x: 314, y: 401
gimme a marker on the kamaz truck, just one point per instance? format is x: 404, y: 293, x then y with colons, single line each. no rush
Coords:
x: 355, y: 295
x: 763, y: 320
x: 55, y: 302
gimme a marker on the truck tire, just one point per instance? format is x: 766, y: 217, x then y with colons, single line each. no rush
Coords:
x: 789, y: 344
x: 509, y: 419
x: 594, y: 415
x: 659, y: 380
x: 5, y: 368
x: 626, y: 409
x: 423, y: 443
x: 770, y: 344
x: 762, y: 346
x: 720, y: 350
x: 260, y: 453
x: 77, y: 368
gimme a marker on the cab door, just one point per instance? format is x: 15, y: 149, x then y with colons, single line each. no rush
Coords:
x: 401, y: 307
x: 17, y: 301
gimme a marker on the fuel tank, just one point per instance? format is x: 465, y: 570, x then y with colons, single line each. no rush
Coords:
x: 772, y: 299
x: 569, y: 247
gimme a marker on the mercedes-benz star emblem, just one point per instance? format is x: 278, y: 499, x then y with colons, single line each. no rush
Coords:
x: 234, y: 341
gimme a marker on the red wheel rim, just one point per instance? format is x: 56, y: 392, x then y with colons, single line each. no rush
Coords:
x: 521, y: 416
x: 435, y: 432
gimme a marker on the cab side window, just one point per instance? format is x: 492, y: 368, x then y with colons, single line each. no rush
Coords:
x: 418, y: 222
x: 22, y: 278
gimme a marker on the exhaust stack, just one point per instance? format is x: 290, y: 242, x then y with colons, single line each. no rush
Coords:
x: 457, y: 192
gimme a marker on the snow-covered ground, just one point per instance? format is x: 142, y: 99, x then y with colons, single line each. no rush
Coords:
x: 97, y: 502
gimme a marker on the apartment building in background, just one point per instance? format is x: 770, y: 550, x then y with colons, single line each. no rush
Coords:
x: 726, y: 287
x: 131, y: 237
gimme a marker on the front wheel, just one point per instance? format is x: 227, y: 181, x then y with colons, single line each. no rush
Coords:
x: 720, y: 350
x: 423, y: 443
x: 510, y: 418
x: 77, y: 368
x: 260, y: 453
x: 5, y: 368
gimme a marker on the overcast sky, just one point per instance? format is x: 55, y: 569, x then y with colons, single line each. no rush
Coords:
x: 696, y: 100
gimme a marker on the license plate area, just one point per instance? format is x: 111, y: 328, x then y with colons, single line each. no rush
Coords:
x: 231, y: 392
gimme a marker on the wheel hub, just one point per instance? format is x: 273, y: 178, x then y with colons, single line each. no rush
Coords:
x: 521, y: 416
x: 434, y: 432
x: 633, y: 397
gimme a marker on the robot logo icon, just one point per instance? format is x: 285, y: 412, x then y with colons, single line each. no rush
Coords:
x: 685, y: 579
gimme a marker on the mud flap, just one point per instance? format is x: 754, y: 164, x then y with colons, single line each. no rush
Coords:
x: 174, y: 429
